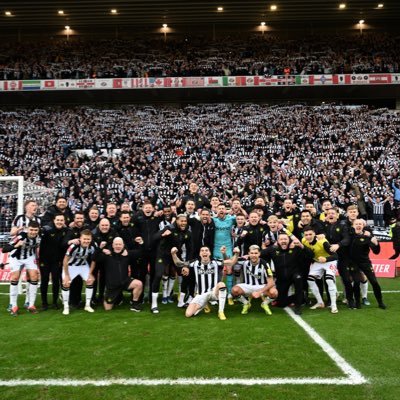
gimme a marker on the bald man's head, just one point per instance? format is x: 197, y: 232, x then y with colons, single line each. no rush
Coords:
x: 118, y: 245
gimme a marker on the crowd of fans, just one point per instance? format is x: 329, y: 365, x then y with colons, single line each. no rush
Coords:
x: 137, y: 153
x: 256, y: 55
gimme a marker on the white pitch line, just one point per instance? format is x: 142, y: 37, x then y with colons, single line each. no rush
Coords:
x: 353, y: 377
x: 347, y: 369
x: 179, y: 382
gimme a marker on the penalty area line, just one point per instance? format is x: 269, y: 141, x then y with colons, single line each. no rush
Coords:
x: 352, y: 374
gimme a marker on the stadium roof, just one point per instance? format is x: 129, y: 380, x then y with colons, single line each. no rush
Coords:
x: 91, y: 13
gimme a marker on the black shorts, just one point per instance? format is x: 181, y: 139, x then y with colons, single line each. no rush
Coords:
x: 112, y: 294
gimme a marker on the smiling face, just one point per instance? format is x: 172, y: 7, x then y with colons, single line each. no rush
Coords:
x: 254, y: 218
x: 288, y: 205
x: 59, y: 221
x: 221, y: 211
x: 214, y: 202
x: 118, y: 245
x: 125, y: 218
x: 272, y: 223
x: 283, y: 241
x: 205, y: 216
x: 181, y: 223
x: 104, y: 225
x: 305, y: 218
x: 85, y: 240
x: 61, y: 203
x: 359, y: 225
x: 205, y: 255
x: 193, y: 188
x: 190, y: 207
x: 352, y: 214
x: 331, y: 215
x: 235, y: 205
x: 111, y: 210
x: 240, y: 220
x: 32, y: 232
x: 254, y: 254
x: 326, y: 205
x: 93, y: 214
x: 148, y: 209
x: 79, y: 220
x: 309, y: 236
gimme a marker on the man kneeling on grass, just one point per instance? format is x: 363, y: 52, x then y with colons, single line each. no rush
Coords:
x: 116, y: 266
x: 258, y: 282
x: 208, y: 276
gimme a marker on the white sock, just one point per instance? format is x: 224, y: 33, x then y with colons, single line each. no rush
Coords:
x: 221, y: 299
x: 164, y: 286
x: 65, y: 297
x: 332, y: 291
x: 13, y: 293
x: 171, y: 283
x: 179, y: 283
x: 27, y: 289
x: 243, y: 300
x: 88, y: 293
x: 33, y: 287
x: 315, y: 291
x: 20, y: 288
x: 266, y: 300
x: 364, y: 289
x: 154, y: 297
x: 181, y: 298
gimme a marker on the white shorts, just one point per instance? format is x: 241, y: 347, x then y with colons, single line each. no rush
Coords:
x: 75, y: 270
x: 317, y: 269
x: 203, y: 299
x: 18, y: 265
x: 249, y: 289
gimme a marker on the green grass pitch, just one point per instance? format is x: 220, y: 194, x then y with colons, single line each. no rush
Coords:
x: 123, y: 344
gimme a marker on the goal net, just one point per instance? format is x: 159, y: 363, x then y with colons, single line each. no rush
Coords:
x: 14, y: 192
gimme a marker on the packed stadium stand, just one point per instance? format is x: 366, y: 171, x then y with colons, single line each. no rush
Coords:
x: 271, y: 54
x: 133, y: 153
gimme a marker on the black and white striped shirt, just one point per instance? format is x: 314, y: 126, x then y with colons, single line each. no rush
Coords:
x: 257, y: 274
x: 28, y: 249
x: 22, y: 220
x: 272, y: 236
x: 80, y: 256
x: 207, y: 275
x: 236, y: 232
x: 378, y: 208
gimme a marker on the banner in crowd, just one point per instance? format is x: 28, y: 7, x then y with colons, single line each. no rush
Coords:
x: 201, y: 82
x: 5, y: 272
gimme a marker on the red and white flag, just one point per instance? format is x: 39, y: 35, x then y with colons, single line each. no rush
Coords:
x: 48, y: 84
x: 12, y: 85
x: 122, y: 83
x: 341, y: 79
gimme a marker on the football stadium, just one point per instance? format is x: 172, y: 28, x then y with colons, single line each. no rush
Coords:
x: 199, y: 199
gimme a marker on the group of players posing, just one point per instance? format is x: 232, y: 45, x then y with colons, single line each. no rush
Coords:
x: 258, y: 255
